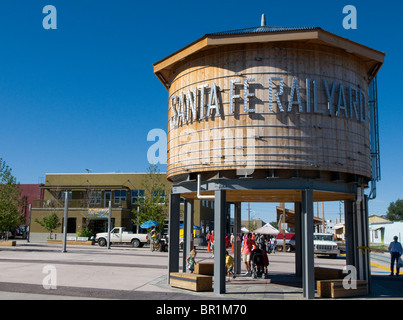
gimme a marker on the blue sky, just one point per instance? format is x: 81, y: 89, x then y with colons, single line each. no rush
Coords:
x: 85, y: 96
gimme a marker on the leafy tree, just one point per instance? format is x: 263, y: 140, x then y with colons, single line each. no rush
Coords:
x: 155, y: 203
x: 50, y: 223
x: 395, y: 211
x: 274, y: 224
x: 252, y: 225
x: 11, y: 201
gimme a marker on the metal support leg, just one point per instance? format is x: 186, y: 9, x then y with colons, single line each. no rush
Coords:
x: 219, y: 241
x: 237, y: 233
x: 188, y: 230
x: 298, y: 241
x: 173, y: 233
x: 308, y: 276
x: 350, y: 237
x: 185, y: 236
x: 366, y: 243
x: 362, y: 236
x: 356, y: 216
x: 359, y: 228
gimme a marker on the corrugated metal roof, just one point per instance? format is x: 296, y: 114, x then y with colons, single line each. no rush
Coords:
x: 262, y: 29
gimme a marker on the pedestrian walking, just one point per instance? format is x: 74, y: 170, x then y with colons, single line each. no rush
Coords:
x: 395, y: 250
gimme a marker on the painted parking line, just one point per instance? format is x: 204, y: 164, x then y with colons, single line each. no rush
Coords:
x: 378, y: 266
x: 383, y: 267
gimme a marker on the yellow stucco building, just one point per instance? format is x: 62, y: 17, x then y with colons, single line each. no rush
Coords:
x: 95, y: 190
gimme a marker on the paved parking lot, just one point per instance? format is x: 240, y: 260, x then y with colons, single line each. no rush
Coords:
x: 41, y: 271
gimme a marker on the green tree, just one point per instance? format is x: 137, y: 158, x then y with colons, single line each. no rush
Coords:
x: 395, y: 211
x: 274, y: 224
x: 155, y: 203
x: 11, y: 201
x: 50, y: 223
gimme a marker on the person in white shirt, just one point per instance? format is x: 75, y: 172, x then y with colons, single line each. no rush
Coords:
x: 395, y: 250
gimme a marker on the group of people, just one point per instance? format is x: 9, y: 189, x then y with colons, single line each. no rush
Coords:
x: 229, y: 241
x: 253, y: 244
x: 269, y: 243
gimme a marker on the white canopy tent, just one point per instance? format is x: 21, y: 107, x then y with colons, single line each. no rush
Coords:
x: 267, y: 229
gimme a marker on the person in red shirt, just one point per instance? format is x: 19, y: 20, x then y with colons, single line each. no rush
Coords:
x: 246, y: 252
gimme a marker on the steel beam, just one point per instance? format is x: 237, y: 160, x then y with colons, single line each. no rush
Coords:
x: 308, y: 275
x: 173, y: 233
x: 188, y: 230
x: 219, y: 241
x: 188, y: 186
x: 237, y: 233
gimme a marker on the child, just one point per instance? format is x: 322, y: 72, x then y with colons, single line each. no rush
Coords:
x: 229, y: 264
x: 190, y: 261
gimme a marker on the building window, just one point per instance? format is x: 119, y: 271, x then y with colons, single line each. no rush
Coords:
x: 138, y: 195
x: 120, y: 195
x: 95, y: 197
x: 159, y: 193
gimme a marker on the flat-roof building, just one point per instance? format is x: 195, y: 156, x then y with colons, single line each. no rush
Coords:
x: 95, y: 190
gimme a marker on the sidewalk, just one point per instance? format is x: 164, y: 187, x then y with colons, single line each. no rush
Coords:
x: 139, y: 274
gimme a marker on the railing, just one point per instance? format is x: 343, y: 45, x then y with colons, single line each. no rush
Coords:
x: 374, y: 132
x: 77, y: 204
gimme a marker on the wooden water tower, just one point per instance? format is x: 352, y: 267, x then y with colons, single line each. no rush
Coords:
x: 272, y: 114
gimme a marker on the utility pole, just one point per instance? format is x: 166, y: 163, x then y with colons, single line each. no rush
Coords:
x: 282, y: 206
x: 249, y: 216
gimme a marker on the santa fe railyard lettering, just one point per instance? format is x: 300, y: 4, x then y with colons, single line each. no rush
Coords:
x: 321, y: 97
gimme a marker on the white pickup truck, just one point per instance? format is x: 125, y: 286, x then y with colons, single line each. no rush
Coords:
x: 119, y: 235
x: 324, y: 243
